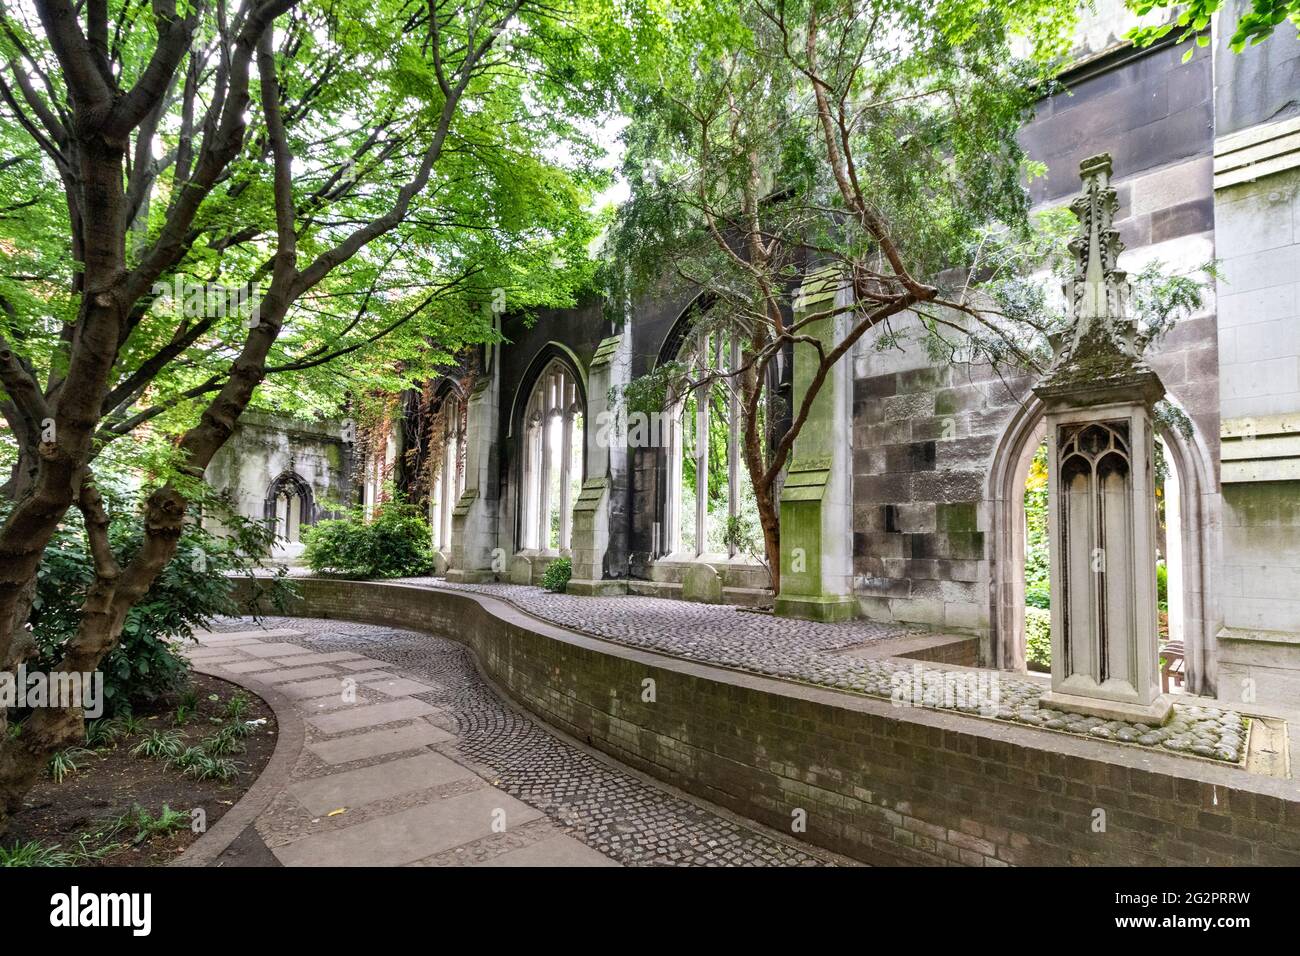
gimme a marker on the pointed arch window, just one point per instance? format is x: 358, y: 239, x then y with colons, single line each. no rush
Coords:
x: 290, y: 506
x: 552, y: 459
x: 708, y: 488
x: 449, y: 477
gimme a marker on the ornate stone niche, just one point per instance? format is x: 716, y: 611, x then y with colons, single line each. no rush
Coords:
x: 1099, y: 395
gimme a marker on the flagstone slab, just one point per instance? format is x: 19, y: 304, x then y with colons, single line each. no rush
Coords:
x: 377, y: 743
x: 228, y: 637
x: 250, y: 667
x: 362, y: 663
x: 218, y: 660
x: 329, y: 704
x: 398, y: 686
x: 200, y: 652
x: 296, y: 673
x: 559, y: 850
x: 276, y: 650
x: 409, y: 835
x: 361, y: 677
x: 313, y: 657
x: 356, y: 788
x: 372, y: 715
x: 324, y: 687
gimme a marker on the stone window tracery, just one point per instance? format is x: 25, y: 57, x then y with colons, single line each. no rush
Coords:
x: 552, y: 460
x: 708, y: 486
x: 449, y: 478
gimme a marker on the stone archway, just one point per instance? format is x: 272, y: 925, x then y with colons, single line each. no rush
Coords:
x: 1005, y: 491
x: 299, y: 508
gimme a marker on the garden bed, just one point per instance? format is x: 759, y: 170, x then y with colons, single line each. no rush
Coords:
x: 109, y: 810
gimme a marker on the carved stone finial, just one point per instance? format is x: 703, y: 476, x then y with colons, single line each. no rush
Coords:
x: 1099, y: 352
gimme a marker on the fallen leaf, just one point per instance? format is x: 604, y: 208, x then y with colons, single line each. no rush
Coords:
x: 335, y: 813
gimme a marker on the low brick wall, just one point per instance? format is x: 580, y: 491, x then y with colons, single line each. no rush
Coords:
x: 883, y: 784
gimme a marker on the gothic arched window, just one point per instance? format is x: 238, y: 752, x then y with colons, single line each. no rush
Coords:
x: 552, y: 459
x: 709, y: 506
x: 289, y: 504
x: 449, y: 476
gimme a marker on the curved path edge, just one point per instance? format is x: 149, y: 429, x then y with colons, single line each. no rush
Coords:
x: 290, y: 737
x: 880, y: 783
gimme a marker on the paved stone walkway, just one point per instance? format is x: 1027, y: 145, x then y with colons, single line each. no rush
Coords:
x: 423, y: 765
x: 814, y: 652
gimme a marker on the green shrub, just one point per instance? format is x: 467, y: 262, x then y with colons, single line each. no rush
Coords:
x: 192, y: 589
x: 556, y: 576
x: 396, y: 543
x: 1038, y: 597
x: 1038, y: 638
x: 1162, y: 586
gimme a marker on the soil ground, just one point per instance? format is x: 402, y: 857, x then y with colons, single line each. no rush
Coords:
x: 79, y: 814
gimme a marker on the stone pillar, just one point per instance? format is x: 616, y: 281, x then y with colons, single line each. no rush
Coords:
x: 1098, y: 395
x: 606, y: 458
x: 474, y: 518
x: 817, y: 499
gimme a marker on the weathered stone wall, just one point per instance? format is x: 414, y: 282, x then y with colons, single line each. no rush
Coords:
x: 263, y: 447
x: 926, y: 437
x: 1257, y: 219
x: 923, y: 438
x: 883, y: 784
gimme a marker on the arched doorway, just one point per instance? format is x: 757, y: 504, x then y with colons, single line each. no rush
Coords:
x: 1188, y: 464
x: 290, y: 506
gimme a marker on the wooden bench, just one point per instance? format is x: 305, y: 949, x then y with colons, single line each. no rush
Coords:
x: 1172, y: 665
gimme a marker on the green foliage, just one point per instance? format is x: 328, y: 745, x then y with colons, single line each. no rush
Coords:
x: 228, y: 740
x: 33, y: 853
x: 159, y: 743
x: 238, y: 705
x: 1256, y: 25
x: 507, y: 206
x: 102, y: 733
x: 199, y: 763
x: 1038, y: 638
x: 1038, y: 596
x: 146, y: 825
x: 192, y: 589
x: 64, y: 762
x: 556, y: 576
x: 1037, y: 565
x: 396, y: 543
x: 1162, y: 586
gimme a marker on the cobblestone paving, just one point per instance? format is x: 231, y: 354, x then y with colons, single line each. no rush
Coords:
x: 805, y: 651
x: 610, y: 810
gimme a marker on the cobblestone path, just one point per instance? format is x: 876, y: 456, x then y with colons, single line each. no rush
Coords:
x: 811, y: 652
x: 427, y: 759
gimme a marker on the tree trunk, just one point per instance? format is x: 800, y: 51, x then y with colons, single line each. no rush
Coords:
x: 769, y: 515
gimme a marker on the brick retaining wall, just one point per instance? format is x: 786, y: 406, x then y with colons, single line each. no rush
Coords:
x: 883, y: 784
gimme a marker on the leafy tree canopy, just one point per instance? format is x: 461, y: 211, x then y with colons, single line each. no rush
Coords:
x: 1255, y: 25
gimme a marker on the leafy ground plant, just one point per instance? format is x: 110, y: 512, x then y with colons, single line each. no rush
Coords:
x: 237, y: 706
x: 556, y: 576
x: 64, y: 762
x: 196, y: 762
x: 159, y: 743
